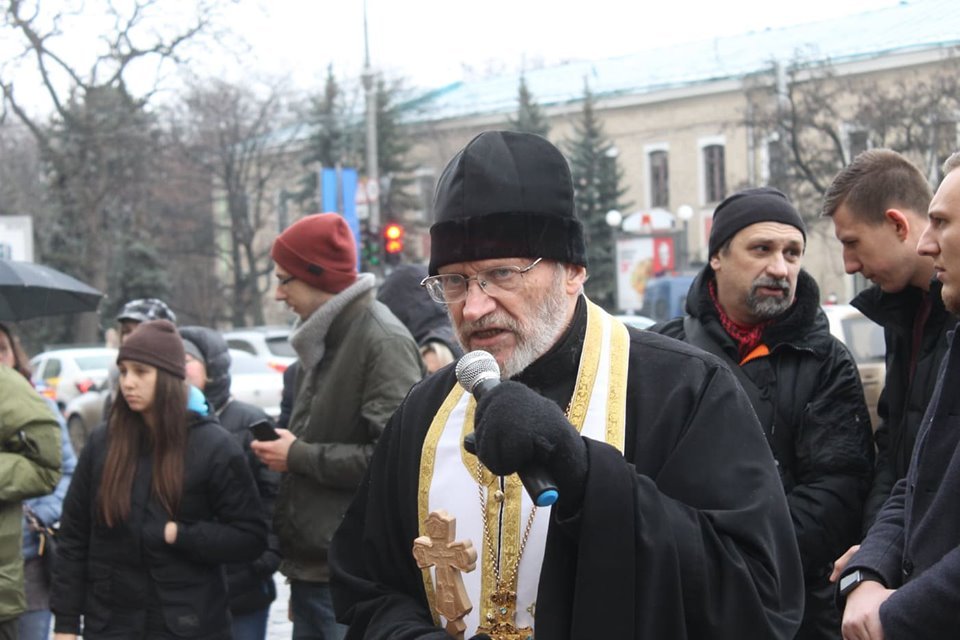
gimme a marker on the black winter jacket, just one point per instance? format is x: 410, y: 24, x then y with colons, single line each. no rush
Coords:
x: 250, y: 584
x: 125, y: 581
x: 683, y: 535
x: 914, y: 545
x: 904, y: 399
x: 810, y: 402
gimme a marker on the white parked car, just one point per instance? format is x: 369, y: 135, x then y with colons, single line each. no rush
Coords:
x: 255, y: 382
x: 269, y: 343
x: 864, y: 339
x: 68, y: 373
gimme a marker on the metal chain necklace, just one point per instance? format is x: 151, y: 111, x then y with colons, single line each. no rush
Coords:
x: 500, y: 619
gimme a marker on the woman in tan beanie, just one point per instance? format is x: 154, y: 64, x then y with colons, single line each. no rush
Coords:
x: 161, y: 497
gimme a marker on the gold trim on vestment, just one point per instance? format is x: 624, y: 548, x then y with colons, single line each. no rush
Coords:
x: 617, y: 398
x: 508, y: 527
x: 428, y: 455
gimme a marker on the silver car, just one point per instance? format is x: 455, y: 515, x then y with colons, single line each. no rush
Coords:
x: 68, y: 373
x: 269, y: 343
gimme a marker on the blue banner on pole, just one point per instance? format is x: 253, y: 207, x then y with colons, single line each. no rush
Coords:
x: 339, y: 194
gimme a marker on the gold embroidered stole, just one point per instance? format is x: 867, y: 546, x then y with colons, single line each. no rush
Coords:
x: 448, y: 480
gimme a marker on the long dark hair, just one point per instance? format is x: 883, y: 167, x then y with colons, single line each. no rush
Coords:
x: 20, y: 361
x: 128, y: 434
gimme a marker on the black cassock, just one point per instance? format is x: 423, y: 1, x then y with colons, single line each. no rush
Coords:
x: 686, y: 535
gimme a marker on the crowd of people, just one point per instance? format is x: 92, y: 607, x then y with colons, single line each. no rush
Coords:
x: 715, y: 476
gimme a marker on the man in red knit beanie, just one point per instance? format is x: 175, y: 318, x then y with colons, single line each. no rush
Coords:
x: 357, y: 362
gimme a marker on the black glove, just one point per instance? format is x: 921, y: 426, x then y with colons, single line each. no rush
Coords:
x: 516, y: 429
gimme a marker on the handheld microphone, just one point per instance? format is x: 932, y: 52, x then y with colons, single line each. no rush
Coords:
x: 478, y: 373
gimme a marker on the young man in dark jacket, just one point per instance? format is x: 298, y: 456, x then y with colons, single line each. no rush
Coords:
x: 250, y: 585
x: 878, y: 205
x: 904, y: 582
x: 670, y: 523
x: 357, y: 362
x: 755, y: 307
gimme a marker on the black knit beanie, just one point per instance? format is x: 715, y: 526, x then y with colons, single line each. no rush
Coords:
x: 747, y: 207
x: 157, y: 344
x: 505, y: 194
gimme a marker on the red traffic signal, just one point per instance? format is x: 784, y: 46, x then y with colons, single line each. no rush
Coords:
x: 393, y: 238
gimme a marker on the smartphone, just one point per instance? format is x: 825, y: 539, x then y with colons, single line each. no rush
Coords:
x: 263, y: 430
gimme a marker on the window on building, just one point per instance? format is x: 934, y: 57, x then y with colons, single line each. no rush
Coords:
x: 858, y: 141
x: 715, y: 182
x: 659, y: 179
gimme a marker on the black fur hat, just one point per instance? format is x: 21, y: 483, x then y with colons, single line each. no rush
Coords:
x: 506, y: 194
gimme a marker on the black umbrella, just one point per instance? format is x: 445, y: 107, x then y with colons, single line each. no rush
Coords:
x: 30, y: 290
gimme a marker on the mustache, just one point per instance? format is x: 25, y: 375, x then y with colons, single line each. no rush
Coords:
x: 500, y: 320
x: 771, y: 283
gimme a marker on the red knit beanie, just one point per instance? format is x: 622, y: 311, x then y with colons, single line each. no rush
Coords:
x: 157, y: 344
x: 319, y: 250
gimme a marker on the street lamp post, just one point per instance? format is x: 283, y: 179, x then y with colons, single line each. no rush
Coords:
x: 684, y: 213
x: 373, y: 169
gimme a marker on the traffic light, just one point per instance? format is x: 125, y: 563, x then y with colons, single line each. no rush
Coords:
x: 393, y: 242
x: 371, y: 251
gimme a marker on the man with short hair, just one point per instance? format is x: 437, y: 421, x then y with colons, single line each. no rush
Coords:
x: 878, y: 205
x: 755, y: 307
x: 904, y: 582
x: 670, y: 521
x: 357, y: 362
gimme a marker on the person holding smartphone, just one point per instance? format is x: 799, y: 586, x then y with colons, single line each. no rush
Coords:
x: 161, y: 498
x: 250, y: 584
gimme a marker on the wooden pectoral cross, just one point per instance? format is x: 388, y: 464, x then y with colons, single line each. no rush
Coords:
x: 449, y: 558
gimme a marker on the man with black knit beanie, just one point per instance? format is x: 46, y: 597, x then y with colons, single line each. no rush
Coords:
x: 754, y: 307
x: 356, y: 364
x: 669, y: 520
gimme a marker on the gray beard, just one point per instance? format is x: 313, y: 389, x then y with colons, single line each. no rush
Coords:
x: 766, y: 307
x: 542, y: 331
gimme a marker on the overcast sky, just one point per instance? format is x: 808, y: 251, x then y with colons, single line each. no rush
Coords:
x: 431, y: 42
x: 428, y: 42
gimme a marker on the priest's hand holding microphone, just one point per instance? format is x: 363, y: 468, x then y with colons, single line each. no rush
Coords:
x: 516, y: 430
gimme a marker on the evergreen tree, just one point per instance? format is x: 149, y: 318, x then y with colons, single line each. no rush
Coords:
x: 530, y: 118
x: 330, y: 143
x: 596, y: 182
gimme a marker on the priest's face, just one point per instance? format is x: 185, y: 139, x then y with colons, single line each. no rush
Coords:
x: 520, y: 325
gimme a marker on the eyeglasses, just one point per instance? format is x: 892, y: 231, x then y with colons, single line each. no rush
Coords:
x: 451, y: 288
x: 282, y: 282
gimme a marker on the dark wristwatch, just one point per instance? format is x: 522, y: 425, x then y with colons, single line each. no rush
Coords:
x: 853, y: 580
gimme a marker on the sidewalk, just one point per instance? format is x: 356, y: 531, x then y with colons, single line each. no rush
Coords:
x: 278, y: 627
